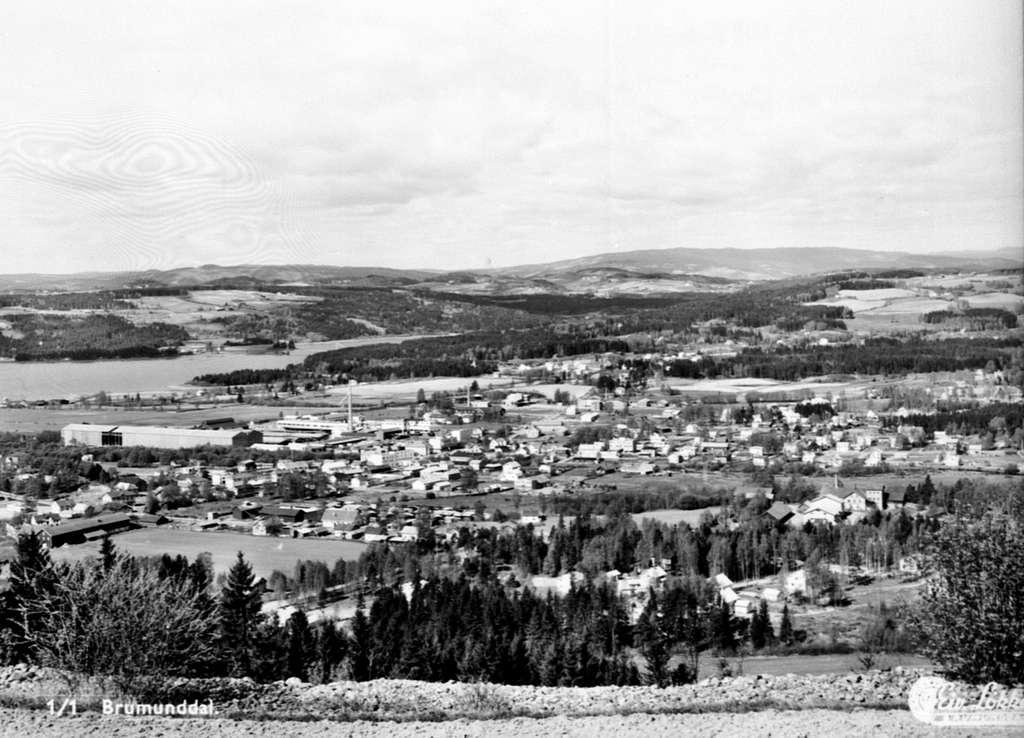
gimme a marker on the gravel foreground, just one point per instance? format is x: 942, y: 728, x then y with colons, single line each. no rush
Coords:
x: 810, y: 723
x: 865, y: 704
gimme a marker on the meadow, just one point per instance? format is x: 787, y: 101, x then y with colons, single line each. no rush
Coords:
x: 675, y: 517
x: 264, y: 554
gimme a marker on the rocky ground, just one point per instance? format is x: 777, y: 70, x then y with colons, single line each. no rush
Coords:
x: 876, y: 723
x: 846, y: 704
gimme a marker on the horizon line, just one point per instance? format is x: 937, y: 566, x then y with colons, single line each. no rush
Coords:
x: 966, y: 254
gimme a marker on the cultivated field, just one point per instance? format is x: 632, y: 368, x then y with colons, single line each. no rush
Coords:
x: 264, y: 554
x: 675, y: 517
x: 1001, y: 300
x: 195, y: 310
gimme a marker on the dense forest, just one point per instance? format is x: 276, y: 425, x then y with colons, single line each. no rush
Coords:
x: 874, y: 356
x: 465, y: 355
x: 67, y: 301
x: 402, y: 311
x: 475, y: 354
x: 973, y: 319
x: 993, y: 417
x: 95, y: 336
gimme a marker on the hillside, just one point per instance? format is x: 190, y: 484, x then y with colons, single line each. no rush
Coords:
x: 652, y: 271
x: 213, y: 274
x: 761, y: 264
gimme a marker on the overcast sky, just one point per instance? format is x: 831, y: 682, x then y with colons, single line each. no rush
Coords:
x: 450, y: 135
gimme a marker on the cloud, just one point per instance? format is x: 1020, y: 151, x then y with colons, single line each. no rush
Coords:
x: 432, y: 134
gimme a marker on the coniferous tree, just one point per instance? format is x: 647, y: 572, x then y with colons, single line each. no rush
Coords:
x: 359, y: 646
x: 32, y: 582
x: 766, y: 621
x: 330, y: 648
x: 724, y: 637
x: 107, y: 554
x: 269, y: 656
x: 652, y: 643
x: 758, y: 626
x: 786, y: 627
x: 300, y: 646
x: 240, y: 617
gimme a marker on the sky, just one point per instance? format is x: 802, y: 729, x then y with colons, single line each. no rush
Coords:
x: 450, y: 135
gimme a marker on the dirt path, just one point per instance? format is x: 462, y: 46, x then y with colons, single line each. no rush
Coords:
x: 876, y: 723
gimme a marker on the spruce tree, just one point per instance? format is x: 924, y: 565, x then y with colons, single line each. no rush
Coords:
x: 757, y: 630
x: 32, y: 582
x: 786, y: 627
x: 107, y: 554
x: 330, y: 648
x: 725, y: 639
x: 769, y: 631
x: 359, y: 646
x: 239, y: 616
x: 300, y: 646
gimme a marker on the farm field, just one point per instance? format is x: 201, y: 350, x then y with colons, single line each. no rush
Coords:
x: 1001, y: 300
x: 675, y: 517
x: 264, y: 554
x: 753, y: 386
x: 194, y: 311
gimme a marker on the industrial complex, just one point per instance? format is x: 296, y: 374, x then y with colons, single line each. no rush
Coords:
x: 155, y: 436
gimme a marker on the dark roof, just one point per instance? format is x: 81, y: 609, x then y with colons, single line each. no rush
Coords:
x: 283, y: 512
x: 115, y: 520
x: 779, y: 510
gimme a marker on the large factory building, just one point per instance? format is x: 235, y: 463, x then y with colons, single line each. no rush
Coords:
x: 155, y: 436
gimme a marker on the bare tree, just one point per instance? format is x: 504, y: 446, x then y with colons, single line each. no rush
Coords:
x: 124, y: 623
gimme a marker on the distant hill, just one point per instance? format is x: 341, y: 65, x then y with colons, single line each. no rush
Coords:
x: 762, y: 264
x: 650, y: 271
x: 213, y: 274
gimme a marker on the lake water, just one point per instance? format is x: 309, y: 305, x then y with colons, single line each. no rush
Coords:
x: 44, y: 380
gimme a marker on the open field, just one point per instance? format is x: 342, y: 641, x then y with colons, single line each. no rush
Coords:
x: 264, y: 554
x: 847, y: 622
x: 194, y: 311
x: 916, y: 306
x: 675, y: 517
x: 693, y: 482
x: 752, y: 386
x: 1001, y: 300
x: 965, y: 282
x: 881, y: 322
x: 898, y: 480
x: 406, y: 390
x: 838, y: 663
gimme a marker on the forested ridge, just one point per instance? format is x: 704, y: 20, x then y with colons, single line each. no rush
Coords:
x: 94, y: 336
